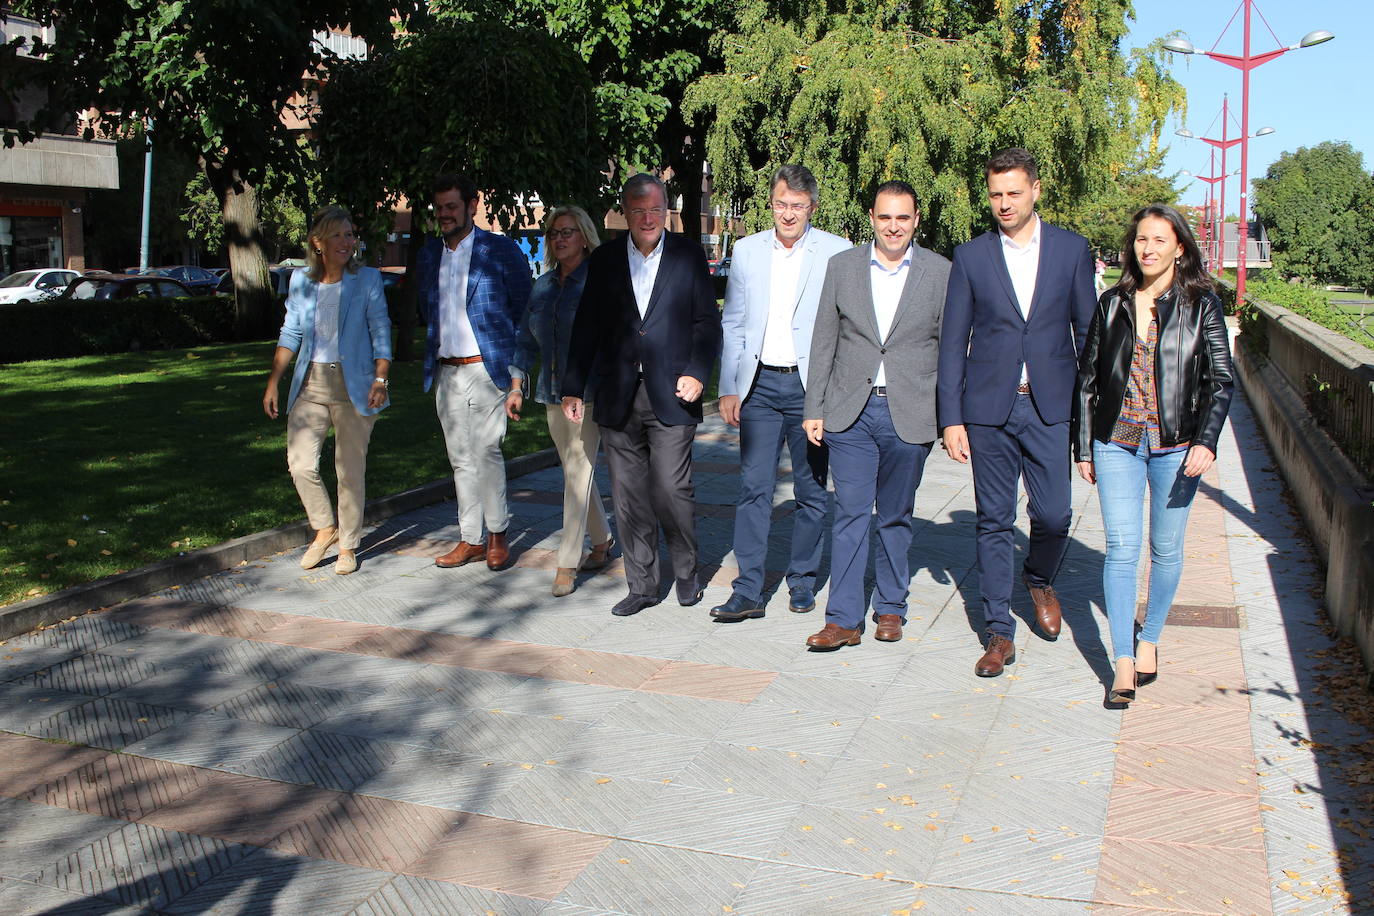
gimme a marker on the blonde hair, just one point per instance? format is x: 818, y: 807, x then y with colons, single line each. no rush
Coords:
x: 590, y: 239
x: 327, y: 220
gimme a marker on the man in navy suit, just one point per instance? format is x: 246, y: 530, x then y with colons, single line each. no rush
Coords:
x: 649, y: 328
x: 473, y: 286
x: 770, y: 311
x: 1018, y: 307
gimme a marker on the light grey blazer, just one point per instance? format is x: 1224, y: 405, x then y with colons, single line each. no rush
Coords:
x: 846, y: 349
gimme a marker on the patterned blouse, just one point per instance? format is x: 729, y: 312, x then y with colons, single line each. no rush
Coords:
x: 1139, y: 417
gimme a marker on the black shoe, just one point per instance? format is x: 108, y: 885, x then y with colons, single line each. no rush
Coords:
x: 1144, y: 678
x: 632, y: 604
x: 1124, y: 696
x: 736, y: 609
x: 801, y: 600
x: 689, y: 591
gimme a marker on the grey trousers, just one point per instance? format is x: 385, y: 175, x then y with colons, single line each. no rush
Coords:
x: 651, y: 485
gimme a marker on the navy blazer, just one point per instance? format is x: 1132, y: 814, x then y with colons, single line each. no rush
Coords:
x: 679, y: 334
x: 984, y: 340
x: 498, y: 289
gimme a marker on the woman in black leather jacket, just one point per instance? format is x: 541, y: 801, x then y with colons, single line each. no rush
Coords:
x: 1154, y: 387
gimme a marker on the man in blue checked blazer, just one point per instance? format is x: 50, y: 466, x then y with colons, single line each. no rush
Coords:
x: 473, y: 286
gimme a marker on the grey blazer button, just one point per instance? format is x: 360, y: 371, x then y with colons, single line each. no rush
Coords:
x: 883, y: 351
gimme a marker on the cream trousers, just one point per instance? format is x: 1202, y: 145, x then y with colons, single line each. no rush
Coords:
x: 472, y: 412
x: 583, y: 513
x: 323, y: 402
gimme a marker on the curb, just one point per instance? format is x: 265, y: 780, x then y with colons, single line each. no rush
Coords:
x: 49, y: 609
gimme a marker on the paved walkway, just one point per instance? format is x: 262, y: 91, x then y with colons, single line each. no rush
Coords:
x: 417, y: 740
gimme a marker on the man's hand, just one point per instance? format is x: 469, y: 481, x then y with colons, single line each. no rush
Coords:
x: 729, y: 408
x: 688, y: 388
x: 815, y: 431
x: 1199, y: 461
x: 515, y: 399
x: 269, y: 400
x: 572, y: 409
x: 1085, y: 470
x: 956, y: 443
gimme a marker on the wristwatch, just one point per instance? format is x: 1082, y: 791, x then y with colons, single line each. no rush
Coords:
x: 385, y: 382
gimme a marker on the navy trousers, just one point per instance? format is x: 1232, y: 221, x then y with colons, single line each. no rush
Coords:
x: 875, y: 474
x: 1023, y: 447
x: 769, y: 417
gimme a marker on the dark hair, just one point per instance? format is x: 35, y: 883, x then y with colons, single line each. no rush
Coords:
x: 1190, y: 277
x: 1009, y: 160
x: 451, y: 181
x: 640, y: 185
x: 896, y: 187
x: 797, y: 178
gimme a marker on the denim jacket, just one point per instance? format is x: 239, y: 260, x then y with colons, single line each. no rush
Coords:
x: 546, y: 331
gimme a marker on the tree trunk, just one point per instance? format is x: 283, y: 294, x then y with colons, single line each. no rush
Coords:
x: 255, y: 313
x: 687, y: 173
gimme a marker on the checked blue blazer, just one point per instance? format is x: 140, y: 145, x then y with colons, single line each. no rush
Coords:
x: 498, y: 289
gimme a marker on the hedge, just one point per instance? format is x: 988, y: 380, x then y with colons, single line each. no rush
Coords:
x: 63, y: 327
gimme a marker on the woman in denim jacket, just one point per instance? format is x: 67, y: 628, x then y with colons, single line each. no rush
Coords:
x: 545, y: 334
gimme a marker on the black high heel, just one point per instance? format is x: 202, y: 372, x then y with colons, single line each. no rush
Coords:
x: 1143, y: 678
x: 1124, y: 696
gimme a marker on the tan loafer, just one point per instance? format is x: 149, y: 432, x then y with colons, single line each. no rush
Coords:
x: 346, y: 563
x: 316, y: 551
x: 563, y: 583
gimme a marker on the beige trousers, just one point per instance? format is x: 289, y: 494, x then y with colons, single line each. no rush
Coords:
x: 582, y: 510
x: 323, y: 402
x: 472, y: 413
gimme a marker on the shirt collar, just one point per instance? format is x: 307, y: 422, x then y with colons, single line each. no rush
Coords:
x: 874, y: 262
x: 636, y: 256
x: 464, y: 246
x: 796, y: 246
x: 1034, y: 242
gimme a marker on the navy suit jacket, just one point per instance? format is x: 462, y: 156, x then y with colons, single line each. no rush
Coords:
x: 984, y: 340
x: 498, y: 290
x: 679, y: 334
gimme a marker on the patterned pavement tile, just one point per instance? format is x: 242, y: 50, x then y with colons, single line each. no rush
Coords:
x: 119, y: 786
x: 1032, y: 718
x: 1205, y: 879
x: 142, y: 865
x: 21, y: 705
x: 938, y: 707
x: 727, y: 822
x: 786, y: 890
x: 331, y: 761
x: 1040, y: 861
x: 170, y: 648
x: 767, y: 772
x: 287, y: 704
x: 868, y: 785
x: 406, y: 895
x: 240, y: 808
x: 183, y: 688
x: 1185, y: 816
x: 583, y: 702
x: 1176, y: 766
x: 574, y: 800
x: 1151, y: 724
x: 86, y: 634
x: 389, y: 717
x: 270, y: 882
x: 671, y: 715
x: 18, y: 661
x: 22, y: 898
x: 510, y: 736
x: 739, y: 685
x: 781, y: 728
x: 645, y: 879
x: 28, y: 764
x: 365, y: 831
x: 342, y: 671
x: 92, y: 674
x: 834, y: 696
x: 444, y: 779
x: 32, y: 836
x: 212, y: 741
x: 1050, y: 757
x: 900, y: 845
x: 625, y: 752
x: 107, y: 723
x: 920, y: 745
x: 1010, y: 800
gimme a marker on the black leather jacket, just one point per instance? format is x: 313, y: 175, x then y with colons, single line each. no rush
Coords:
x: 1193, y: 375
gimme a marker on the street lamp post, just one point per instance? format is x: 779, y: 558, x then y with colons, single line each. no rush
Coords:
x: 1245, y: 63
x: 1224, y: 144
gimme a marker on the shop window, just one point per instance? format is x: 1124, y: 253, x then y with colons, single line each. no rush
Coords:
x: 30, y: 243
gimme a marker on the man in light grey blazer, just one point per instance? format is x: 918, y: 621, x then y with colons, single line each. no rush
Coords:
x: 770, y: 309
x: 870, y: 396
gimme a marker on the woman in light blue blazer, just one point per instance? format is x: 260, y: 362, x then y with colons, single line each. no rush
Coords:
x: 338, y: 327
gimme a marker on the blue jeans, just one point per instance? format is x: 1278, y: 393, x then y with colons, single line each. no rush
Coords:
x: 1121, y: 479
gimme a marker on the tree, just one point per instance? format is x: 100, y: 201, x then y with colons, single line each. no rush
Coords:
x: 284, y: 219
x: 643, y: 55
x: 1102, y: 218
x: 1318, y: 204
x: 215, y: 78
x: 518, y: 118
x: 876, y: 89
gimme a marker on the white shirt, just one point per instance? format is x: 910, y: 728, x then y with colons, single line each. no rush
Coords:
x: 455, y: 329
x: 887, y: 295
x: 644, y: 271
x: 1023, y: 263
x: 326, y: 346
x: 778, y: 347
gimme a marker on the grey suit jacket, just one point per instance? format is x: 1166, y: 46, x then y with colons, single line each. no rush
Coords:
x: 846, y: 349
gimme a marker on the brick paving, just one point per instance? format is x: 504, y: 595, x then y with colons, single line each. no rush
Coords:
x: 416, y: 740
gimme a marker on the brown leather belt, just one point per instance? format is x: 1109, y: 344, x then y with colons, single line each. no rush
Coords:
x: 1023, y: 388
x: 460, y: 360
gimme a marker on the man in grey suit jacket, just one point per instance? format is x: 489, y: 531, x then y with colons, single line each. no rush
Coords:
x: 871, y: 397
x: 770, y: 309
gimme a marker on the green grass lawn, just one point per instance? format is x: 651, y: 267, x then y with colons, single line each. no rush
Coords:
x: 109, y: 463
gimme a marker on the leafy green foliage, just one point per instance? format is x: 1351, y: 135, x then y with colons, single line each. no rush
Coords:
x: 68, y: 327
x: 1318, y: 204
x: 872, y: 90
x: 285, y: 220
x: 1102, y: 217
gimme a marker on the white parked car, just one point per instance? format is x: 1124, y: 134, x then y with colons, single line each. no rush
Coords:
x: 34, y: 285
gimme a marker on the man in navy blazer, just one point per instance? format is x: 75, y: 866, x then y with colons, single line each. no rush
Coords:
x: 649, y: 329
x: 770, y: 311
x: 1017, y: 311
x: 473, y: 286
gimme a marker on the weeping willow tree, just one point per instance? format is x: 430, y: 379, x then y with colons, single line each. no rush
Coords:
x: 868, y: 90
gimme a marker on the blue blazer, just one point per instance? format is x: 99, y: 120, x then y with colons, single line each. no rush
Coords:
x: 364, y: 332
x: 498, y: 289
x: 747, y: 298
x: 678, y: 335
x: 984, y: 341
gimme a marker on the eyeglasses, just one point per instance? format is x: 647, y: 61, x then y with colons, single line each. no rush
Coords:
x: 782, y: 207
x: 563, y: 233
x: 640, y: 212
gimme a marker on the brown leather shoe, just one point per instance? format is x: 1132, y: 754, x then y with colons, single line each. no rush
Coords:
x: 832, y: 636
x: 497, y: 551
x: 889, y: 628
x: 1047, y: 615
x: 1001, y: 652
x: 461, y: 555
